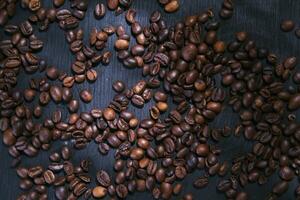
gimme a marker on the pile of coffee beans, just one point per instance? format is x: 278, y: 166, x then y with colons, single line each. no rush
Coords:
x: 190, y: 74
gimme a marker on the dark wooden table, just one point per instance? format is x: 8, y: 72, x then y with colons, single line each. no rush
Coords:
x: 261, y: 18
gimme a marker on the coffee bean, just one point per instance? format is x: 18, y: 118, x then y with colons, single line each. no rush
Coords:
x: 91, y: 75
x: 286, y: 173
x: 86, y: 96
x: 189, y: 52
x: 280, y: 187
x: 112, y: 4
x: 103, y: 178
x: 122, y: 191
x: 119, y: 86
x: 61, y: 192
x: 56, y: 93
x: 99, y: 192
x: 138, y: 100
x: 99, y: 11
x: 201, y: 182
x: 294, y: 102
x: 49, y: 176
x: 73, y: 106
x: 287, y: 25
x: 3, y: 17
x: 58, y: 3
x: 166, y: 190
x: 130, y: 16
x: 8, y: 137
x: 172, y: 6
x: 121, y: 44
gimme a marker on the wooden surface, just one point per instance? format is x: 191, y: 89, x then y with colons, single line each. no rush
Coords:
x: 261, y: 18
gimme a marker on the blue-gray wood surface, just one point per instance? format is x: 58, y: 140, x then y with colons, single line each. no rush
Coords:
x: 261, y: 18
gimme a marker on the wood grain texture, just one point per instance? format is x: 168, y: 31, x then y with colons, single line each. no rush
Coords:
x: 261, y: 18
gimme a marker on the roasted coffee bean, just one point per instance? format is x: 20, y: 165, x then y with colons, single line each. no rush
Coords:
x: 86, y: 96
x: 99, y: 10
x: 122, y: 191
x: 112, y: 4
x: 58, y: 3
x: 91, y: 75
x: 119, y: 86
x: 49, y: 176
x: 294, y: 102
x: 103, y: 178
x: 172, y: 6
x: 280, y: 187
x: 166, y: 190
x: 286, y: 173
x: 201, y: 182
x: 287, y: 25
x: 61, y: 192
x: 121, y: 44
x: 99, y: 192
x: 56, y: 93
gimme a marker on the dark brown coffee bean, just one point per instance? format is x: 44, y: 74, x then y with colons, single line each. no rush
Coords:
x: 49, y: 176
x: 8, y: 137
x: 294, y: 102
x: 189, y: 52
x: 137, y: 153
x: 122, y: 191
x: 86, y: 96
x: 287, y: 25
x: 103, y: 178
x: 280, y: 187
x: 166, y: 190
x: 138, y: 100
x: 130, y: 16
x: 112, y: 4
x: 91, y: 75
x: 201, y: 182
x: 73, y: 106
x: 3, y: 17
x: 286, y: 173
x: 61, y: 192
x: 56, y: 93
x: 119, y: 86
x: 100, y: 11
x: 58, y: 3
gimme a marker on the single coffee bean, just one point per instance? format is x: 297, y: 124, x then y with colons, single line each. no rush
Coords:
x: 121, y: 44
x: 99, y: 192
x: 112, y: 4
x: 172, y: 6
x: 286, y: 173
x: 201, y: 182
x: 91, y: 75
x: 294, y: 102
x: 166, y: 190
x: 56, y: 93
x: 122, y: 191
x: 49, y: 176
x: 58, y: 3
x: 86, y: 96
x: 100, y: 11
x: 287, y: 25
x: 118, y: 86
x: 103, y: 178
x: 73, y: 106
